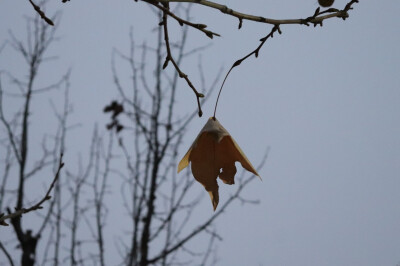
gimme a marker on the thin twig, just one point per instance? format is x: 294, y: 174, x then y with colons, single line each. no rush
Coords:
x: 198, y: 26
x: 10, y: 133
x: 181, y: 74
x: 243, y: 16
x: 37, y: 205
x: 3, y: 248
x: 41, y: 13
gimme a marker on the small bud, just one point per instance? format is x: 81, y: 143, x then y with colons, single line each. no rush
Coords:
x: 165, y: 63
x: 209, y: 34
x: 316, y: 12
x: 240, y: 23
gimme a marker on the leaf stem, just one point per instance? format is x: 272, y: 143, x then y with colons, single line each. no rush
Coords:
x: 220, y: 90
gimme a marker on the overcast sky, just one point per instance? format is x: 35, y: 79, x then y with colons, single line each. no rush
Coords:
x: 325, y: 100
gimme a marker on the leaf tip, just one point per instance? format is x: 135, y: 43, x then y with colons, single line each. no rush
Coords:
x: 185, y: 161
x: 214, y: 198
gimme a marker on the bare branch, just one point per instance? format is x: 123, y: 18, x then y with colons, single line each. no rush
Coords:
x: 243, y: 16
x: 7, y: 166
x: 181, y: 74
x: 200, y: 27
x: 99, y: 189
x: 10, y: 133
x: 3, y: 248
x: 42, y: 14
x: 36, y: 206
x: 60, y: 146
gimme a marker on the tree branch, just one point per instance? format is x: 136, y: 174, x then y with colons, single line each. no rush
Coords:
x: 41, y: 13
x: 198, y: 26
x: 243, y: 16
x: 3, y: 248
x: 10, y: 133
x: 181, y: 74
x: 36, y: 206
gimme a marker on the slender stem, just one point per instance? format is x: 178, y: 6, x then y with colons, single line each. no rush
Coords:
x: 38, y: 205
x: 41, y: 13
x: 2, y: 247
x: 238, y: 62
x: 220, y: 90
x: 170, y: 58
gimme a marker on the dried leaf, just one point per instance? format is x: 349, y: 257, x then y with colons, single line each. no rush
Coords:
x: 212, y: 154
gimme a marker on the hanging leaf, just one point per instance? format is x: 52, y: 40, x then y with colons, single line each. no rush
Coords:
x: 213, y: 154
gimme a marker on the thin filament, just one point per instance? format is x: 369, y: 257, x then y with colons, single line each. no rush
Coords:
x: 220, y: 90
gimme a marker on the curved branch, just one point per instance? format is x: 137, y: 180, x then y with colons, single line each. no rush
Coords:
x: 7, y: 254
x: 243, y: 16
x: 38, y: 205
x: 170, y: 58
x: 200, y: 27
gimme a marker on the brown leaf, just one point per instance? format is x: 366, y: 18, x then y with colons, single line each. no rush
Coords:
x: 212, y: 154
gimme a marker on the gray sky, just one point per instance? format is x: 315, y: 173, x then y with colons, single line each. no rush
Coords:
x: 325, y: 100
